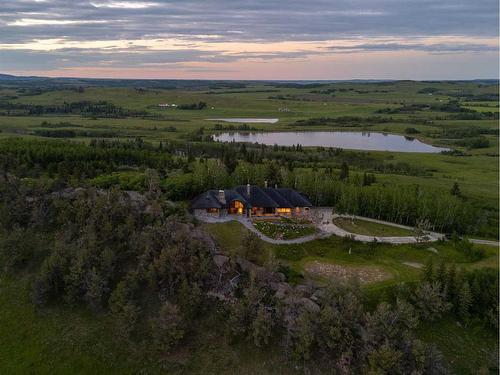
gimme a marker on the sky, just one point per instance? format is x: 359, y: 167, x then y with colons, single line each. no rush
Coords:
x: 251, y: 39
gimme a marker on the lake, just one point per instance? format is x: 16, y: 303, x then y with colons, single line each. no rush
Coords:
x: 349, y: 140
x: 247, y: 120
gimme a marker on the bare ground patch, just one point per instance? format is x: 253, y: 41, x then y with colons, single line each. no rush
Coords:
x: 365, y: 274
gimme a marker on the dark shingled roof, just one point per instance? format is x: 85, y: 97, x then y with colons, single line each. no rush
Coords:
x: 206, y: 200
x: 233, y: 195
x: 293, y: 196
x: 259, y: 197
x: 280, y: 200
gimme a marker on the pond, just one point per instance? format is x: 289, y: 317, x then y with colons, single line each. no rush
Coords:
x: 247, y: 120
x: 348, y: 140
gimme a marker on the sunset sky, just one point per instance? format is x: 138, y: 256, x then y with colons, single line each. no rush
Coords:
x: 254, y: 39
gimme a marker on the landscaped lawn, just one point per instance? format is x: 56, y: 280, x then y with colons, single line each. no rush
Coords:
x: 351, y: 255
x: 370, y: 228
x: 284, y: 228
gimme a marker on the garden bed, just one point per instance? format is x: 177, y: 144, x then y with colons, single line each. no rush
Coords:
x: 285, y: 228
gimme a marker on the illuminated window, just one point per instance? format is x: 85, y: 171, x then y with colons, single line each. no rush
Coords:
x: 236, y: 207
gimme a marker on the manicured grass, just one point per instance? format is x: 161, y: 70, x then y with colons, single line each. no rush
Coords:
x: 370, y: 228
x: 284, y: 229
x: 468, y: 349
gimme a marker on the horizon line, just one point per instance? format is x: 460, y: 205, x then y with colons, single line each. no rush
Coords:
x: 14, y: 76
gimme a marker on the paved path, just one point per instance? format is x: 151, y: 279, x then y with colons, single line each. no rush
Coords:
x: 248, y: 224
x: 485, y: 242
x: 325, y: 217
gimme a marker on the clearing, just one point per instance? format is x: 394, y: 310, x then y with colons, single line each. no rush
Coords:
x: 363, y: 274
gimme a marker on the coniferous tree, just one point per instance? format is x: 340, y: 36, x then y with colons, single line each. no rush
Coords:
x: 465, y: 301
x: 262, y: 327
x: 455, y: 190
x: 428, y: 272
x: 344, y: 171
x: 441, y: 274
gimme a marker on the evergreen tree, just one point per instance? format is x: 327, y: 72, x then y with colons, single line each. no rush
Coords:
x: 465, y: 301
x: 167, y: 327
x: 428, y: 271
x: 441, y: 274
x: 450, y: 282
x: 344, y: 171
x: 366, y: 181
x: 455, y: 190
x: 262, y: 327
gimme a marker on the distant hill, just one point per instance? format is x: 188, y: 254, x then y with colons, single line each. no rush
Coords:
x: 8, y: 79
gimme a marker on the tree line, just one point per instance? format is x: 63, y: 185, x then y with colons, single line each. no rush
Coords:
x: 332, y: 183
x: 85, y: 108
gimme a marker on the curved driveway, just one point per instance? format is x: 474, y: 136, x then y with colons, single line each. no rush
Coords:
x: 324, y: 218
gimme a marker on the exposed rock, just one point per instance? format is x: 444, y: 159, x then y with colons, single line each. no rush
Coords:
x: 310, y: 305
x: 281, y: 289
x: 305, y: 290
x: 261, y: 274
x: 220, y: 260
x: 317, y: 295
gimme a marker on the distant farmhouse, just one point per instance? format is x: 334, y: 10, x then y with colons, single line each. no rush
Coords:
x: 251, y: 201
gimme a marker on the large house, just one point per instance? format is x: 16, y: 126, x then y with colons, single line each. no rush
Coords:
x: 251, y: 200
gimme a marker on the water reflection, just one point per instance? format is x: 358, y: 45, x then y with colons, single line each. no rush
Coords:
x: 372, y: 141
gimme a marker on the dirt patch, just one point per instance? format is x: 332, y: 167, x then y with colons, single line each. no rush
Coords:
x: 365, y: 274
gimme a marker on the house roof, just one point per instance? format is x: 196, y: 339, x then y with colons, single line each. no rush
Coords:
x: 206, y: 200
x: 259, y: 197
x: 294, y: 197
x: 280, y: 200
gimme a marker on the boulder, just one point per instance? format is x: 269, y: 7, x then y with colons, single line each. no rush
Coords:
x: 220, y: 260
x: 309, y: 305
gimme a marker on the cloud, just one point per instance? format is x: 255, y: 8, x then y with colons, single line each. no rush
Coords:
x: 124, y: 4
x: 51, y: 22
x: 443, y: 48
x: 237, y: 30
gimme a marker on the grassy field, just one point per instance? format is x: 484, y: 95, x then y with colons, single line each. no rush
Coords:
x: 60, y: 340
x: 393, y: 259
x: 370, y: 228
x: 468, y: 349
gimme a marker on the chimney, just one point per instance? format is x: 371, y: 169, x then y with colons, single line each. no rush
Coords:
x: 222, y: 197
x: 248, y: 189
x: 265, y: 184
